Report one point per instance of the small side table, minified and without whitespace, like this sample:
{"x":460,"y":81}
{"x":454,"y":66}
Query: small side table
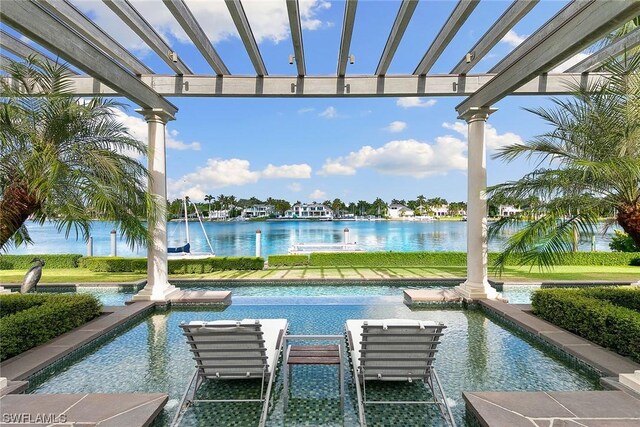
{"x":314,"y":355}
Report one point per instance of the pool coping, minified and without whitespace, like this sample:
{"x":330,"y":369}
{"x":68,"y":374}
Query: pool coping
{"x":605,"y":362}
{"x":22,"y":366}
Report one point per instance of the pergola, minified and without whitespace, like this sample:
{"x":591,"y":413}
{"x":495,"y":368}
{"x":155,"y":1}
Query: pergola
{"x":59,"y":27}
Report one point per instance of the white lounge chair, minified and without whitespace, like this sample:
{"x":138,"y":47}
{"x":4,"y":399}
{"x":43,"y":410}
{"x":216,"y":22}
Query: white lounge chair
{"x":230,"y":350}
{"x":395,"y":350}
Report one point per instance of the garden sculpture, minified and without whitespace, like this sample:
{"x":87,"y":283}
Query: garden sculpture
{"x":32,"y":277}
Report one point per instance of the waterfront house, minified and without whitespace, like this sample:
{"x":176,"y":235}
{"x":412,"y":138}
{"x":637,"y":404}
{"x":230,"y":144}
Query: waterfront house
{"x":258,"y":211}
{"x":397,"y":211}
{"x":219,"y":215}
{"x":438,"y":211}
{"x":309,"y":211}
{"x":508,"y":210}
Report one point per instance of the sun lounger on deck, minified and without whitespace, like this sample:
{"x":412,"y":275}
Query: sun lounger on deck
{"x":234,"y":350}
{"x":395,"y":350}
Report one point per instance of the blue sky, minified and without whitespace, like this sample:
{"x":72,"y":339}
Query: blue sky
{"x":319,"y":149}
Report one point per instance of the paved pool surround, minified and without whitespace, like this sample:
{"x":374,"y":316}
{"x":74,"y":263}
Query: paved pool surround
{"x":484,"y":406}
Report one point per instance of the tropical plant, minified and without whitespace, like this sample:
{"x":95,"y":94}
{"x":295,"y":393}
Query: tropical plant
{"x":588,"y":163}
{"x":621,"y":242}
{"x":66,"y":159}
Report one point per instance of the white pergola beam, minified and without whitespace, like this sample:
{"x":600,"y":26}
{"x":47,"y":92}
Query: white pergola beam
{"x":148,"y":34}
{"x":246,"y":35}
{"x":293,"y":11}
{"x":78,"y":21}
{"x":504,"y":23}
{"x":190,"y":25}
{"x":460,"y":13}
{"x":344,"y":87}
{"x":615,"y":49}
{"x":23,"y":50}
{"x":350,"y":7}
{"x":36,"y":23}
{"x":405,"y":12}
{"x":577,"y":26}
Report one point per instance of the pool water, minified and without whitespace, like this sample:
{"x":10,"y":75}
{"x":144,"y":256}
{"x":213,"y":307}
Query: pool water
{"x":269,"y":294}
{"x":476,"y":354}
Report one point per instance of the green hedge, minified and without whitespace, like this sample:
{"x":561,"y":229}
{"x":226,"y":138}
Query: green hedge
{"x":176,"y":266}
{"x":599,"y":321}
{"x":42,"y":320}
{"x":624,"y":296}
{"x":387,"y":259}
{"x":432,"y":259}
{"x":288,"y":260}
{"x":15,"y":302}
{"x":19,"y":262}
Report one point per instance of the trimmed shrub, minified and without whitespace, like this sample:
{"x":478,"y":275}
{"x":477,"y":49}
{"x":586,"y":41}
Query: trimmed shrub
{"x":15,"y":302}
{"x":19,"y":262}
{"x":114,"y":264}
{"x":288,"y":260}
{"x":43,"y":320}
{"x":599,"y":321}
{"x":176,"y":266}
{"x":623,"y":296}
{"x":387,"y":259}
{"x":431,"y":259}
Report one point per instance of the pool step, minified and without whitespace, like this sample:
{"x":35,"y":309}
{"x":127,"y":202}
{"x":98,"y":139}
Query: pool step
{"x":631,"y":380}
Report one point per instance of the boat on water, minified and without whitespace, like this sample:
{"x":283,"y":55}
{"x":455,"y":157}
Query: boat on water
{"x":184,"y":251}
{"x":308,"y":248}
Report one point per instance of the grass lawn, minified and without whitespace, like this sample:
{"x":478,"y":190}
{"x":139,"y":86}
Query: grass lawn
{"x":524,"y":274}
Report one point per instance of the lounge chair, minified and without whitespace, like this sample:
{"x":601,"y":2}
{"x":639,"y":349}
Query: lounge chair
{"x":395,"y":350}
{"x":234,"y":350}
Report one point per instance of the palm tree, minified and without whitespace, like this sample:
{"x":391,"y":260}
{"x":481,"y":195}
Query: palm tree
{"x":209,"y":198}
{"x":592,"y":157}
{"x":66,"y":160}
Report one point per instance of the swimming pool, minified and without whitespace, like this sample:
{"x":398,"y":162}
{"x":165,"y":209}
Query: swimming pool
{"x":268,"y":292}
{"x":476,"y":354}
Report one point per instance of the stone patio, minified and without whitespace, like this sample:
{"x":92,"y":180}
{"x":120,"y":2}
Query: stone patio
{"x":105,"y":410}
{"x":555,"y":408}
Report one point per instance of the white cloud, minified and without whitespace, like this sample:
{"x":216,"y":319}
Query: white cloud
{"x":416,"y":158}
{"x":268,"y":20}
{"x":295,"y":187}
{"x":415,"y":102}
{"x":492,"y":138}
{"x":396,"y":126}
{"x":220,"y":173}
{"x":570,"y":62}
{"x":306,"y":110}
{"x":318,"y":195}
{"x":336,"y":167}
{"x":139,"y":129}
{"x":217,"y":173}
{"x":300,"y":171}
{"x":403,"y":157}
{"x":329,"y":113}
{"x":513,"y":39}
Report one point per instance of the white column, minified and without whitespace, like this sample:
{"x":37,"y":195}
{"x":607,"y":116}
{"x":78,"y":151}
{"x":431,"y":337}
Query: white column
{"x":346,"y":236}
{"x":114,"y":247}
{"x":157,"y":287}
{"x":258,"y":243}
{"x":477,"y":285}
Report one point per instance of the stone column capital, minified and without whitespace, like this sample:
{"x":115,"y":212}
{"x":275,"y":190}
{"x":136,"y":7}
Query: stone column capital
{"x":474,"y":114}
{"x":157,"y":115}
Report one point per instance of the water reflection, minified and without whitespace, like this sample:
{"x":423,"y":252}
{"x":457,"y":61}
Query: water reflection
{"x":238,"y":238}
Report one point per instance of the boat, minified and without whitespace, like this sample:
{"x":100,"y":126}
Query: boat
{"x":309,"y":248}
{"x":184,"y":251}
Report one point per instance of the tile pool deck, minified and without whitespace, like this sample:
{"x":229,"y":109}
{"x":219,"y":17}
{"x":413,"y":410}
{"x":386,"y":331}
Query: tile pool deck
{"x":611,"y":408}
{"x":105,"y":410}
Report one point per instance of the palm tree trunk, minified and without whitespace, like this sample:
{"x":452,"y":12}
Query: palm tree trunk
{"x":15,"y":207}
{"x":629,"y":219}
